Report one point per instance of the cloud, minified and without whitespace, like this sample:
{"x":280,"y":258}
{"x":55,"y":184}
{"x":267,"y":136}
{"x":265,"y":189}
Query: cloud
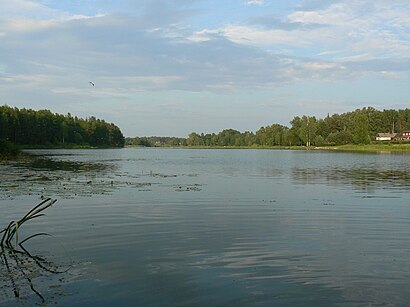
{"x":345,"y":33}
{"x":262,"y":37}
{"x":123,"y":56}
{"x":154,"y":49}
{"x":272,"y":22}
{"x":30,"y":9}
{"x":255,"y":2}
{"x":312,"y":5}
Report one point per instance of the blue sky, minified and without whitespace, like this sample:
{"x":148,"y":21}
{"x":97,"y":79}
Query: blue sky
{"x":172,"y":67}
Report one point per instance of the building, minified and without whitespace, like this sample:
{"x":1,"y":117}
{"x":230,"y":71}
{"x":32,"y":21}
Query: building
{"x":386,"y":136}
{"x":404,"y":136}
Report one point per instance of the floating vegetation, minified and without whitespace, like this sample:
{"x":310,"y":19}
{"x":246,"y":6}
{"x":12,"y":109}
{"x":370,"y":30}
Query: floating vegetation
{"x":45,"y":176}
{"x":18,"y":267}
{"x":187,"y":188}
{"x":53,"y":175}
{"x":152,"y":174}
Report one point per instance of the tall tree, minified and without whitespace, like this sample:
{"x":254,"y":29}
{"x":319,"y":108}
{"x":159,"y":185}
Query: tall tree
{"x":361,"y":128}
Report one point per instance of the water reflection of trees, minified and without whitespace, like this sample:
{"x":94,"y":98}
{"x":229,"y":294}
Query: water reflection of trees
{"x":19,"y":269}
{"x":356,"y":178}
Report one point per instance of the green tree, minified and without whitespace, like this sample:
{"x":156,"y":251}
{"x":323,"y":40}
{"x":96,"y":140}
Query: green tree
{"x":361,"y":128}
{"x":194,"y":139}
{"x":29,"y":127}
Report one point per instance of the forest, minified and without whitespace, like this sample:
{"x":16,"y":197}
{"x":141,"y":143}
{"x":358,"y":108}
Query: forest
{"x":44,"y":128}
{"x":357,"y":127}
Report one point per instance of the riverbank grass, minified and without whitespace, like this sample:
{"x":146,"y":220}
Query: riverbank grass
{"x":374,"y":147}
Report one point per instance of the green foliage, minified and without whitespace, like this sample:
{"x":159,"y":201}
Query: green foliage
{"x":357,"y":127}
{"x":29,"y":127}
{"x":194,"y":139}
{"x":273,"y":135}
{"x":361,"y":128}
{"x":305,"y":128}
{"x":340,"y":138}
{"x":139,"y":141}
{"x":8,"y":149}
{"x":319,"y":140}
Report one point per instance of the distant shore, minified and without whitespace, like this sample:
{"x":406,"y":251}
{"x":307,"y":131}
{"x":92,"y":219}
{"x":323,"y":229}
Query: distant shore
{"x":348,"y":148}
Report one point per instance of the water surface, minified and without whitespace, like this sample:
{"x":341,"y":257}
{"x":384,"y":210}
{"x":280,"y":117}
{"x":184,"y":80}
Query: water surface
{"x":214,"y":227}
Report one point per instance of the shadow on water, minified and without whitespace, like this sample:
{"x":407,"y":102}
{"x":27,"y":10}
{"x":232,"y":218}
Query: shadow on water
{"x":20,"y":270}
{"x":41,"y":163}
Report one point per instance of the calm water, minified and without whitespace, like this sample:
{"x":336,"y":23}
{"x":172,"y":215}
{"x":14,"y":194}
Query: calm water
{"x":210,"y":227}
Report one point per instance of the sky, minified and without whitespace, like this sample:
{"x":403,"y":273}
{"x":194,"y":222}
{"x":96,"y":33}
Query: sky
{"x":171,"y":67}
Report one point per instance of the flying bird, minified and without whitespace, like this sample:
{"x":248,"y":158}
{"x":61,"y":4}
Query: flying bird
{"x":92,"y":83}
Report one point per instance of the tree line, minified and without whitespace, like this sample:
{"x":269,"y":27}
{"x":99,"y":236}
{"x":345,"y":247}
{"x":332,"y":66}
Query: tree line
{"x":357,"y":127}
{"x":30,"y":127}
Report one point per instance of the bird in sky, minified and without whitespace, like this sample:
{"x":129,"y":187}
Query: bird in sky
{"x":92,"y":83}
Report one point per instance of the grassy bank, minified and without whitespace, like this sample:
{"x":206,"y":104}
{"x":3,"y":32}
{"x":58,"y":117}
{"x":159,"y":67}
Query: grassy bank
{"x":376,"y":147}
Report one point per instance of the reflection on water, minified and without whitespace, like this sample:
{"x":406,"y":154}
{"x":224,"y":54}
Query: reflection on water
{"x":21,"y":271}
{"x":356,"y":178}
{"x":223,"y":227}
{"x":24,"y":277}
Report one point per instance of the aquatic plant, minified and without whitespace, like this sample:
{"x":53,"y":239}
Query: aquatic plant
{"x":19,"y":264}
{"x":12,"y":229}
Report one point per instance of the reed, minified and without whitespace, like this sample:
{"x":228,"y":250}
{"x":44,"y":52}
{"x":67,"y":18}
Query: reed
{"x":16,"y":257}
{"x":12,"y":229}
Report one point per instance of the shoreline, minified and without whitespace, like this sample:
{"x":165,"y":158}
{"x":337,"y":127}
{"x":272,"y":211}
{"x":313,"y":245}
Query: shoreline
{"x":369,"y":148}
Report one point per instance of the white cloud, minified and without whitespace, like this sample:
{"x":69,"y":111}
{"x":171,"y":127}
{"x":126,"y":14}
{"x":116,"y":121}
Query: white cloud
{"x":328,"y":53}
{"x":60,"y":52}
{"x":255,"y":2}
{"x":204,"y":35}
{"x":342,"y":31}
{"x":336,"y":14}
{"x":31,"y":9}
{"x":135,"y":83}
{"x":27,"y":79}
{"x":25,"y":25}
{"x":317,"y":66}
{"x":256,"y":36}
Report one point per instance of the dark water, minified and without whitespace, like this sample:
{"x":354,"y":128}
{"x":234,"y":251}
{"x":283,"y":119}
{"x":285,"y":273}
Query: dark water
{"x":212,"y":227}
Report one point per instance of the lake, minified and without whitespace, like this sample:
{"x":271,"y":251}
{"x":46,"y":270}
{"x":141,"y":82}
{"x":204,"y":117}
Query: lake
{"x":208,"y":227}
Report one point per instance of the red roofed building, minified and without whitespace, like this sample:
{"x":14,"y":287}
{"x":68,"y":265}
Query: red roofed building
{"x":404,"y":136}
